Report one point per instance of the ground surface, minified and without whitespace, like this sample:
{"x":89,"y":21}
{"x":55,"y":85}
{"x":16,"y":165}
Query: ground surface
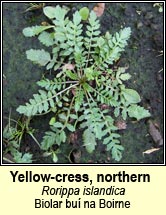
{"x":141,"y":56}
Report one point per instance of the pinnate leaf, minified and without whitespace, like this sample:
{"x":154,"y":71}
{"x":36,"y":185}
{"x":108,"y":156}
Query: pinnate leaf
{"x":116,"y":152}
{"x":138,"y":112}
{"x":89,"y":140}
{"x":49,"y":139}
{"x":40,"y":57}
{"x":131,"y":95}
{"x":125,"y":77}
{"x":35,"y":30}
{"x":76,"y":18}
{"x":55,"y":12}
{"x":23,"y":158}
{"x":50,"y":12}
{"x":46,"y":38}
{"x":71,"y":75}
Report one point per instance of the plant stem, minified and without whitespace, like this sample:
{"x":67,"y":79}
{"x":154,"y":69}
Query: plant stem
{"x":72,"y":86}
{"x":6,"y":159}
{"x":69,"y":82}
{"x":68,"y":114}
{"x":30,"y":133}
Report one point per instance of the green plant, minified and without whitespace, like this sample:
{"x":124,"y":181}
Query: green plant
{"x":81,"y":62}
{"x":12,"y":137}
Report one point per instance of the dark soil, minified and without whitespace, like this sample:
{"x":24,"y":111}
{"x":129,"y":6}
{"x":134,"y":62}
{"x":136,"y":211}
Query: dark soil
{"x":141,"y":55}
